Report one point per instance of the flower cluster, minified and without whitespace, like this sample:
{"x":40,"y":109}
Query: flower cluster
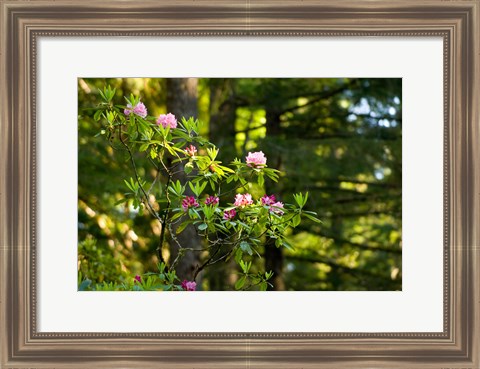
{"x":167,"y":120}
{"x":243,"y":200}
{"x":275,"y":206}
{"x":229,"y":214}
{"x":137,"y":279}
{"x":189,"y":202}
{"x":212,"y":200}
{"x":256,"y":159}
{"x":189,"y":285}
{"x":191,"y":150}
{"x":268,"y":200}
{"x":138,"y":109}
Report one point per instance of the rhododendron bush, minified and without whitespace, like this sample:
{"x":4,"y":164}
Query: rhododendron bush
{"x":212,"y":197}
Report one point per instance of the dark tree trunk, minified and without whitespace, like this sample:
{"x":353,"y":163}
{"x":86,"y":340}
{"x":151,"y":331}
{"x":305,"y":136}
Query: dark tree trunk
{"x":274,"y":262}
{"x":273,"y":255}
{"x":182,"y":102}
{"x":223,"y":115}
{"x":222,"y":133}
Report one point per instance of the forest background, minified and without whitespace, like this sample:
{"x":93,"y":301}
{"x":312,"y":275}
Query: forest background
{"x":340,"y":139}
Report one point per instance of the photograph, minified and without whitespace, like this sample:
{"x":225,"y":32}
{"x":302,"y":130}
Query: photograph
{"x":239,"y":184}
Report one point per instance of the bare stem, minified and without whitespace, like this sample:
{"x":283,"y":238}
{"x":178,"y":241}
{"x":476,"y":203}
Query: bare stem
{"x":146,"y":197}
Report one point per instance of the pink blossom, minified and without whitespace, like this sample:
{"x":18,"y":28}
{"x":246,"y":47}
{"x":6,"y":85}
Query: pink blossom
{"x":191,"y":150}
{"x":256,"y":159}
{"x":243,"y":200}
{"x":189,"y":285}
{"x":189,"y":202}
{"x":275,"y":208}
{"x":138,"y":109}
{"x":137,"y":279}
{"x":167,"y":120}
{"x":229,"y":214}
{"x":268,"y":200}
{"x":212,"y":200}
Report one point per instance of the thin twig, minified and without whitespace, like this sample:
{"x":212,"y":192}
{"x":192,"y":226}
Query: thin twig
{"x":149,"y":206}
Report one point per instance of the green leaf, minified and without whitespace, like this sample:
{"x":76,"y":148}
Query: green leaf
{"x":193,"y":188}
{"x":240,"y":283}
{"x":226,"y":169}
{"x":144,"y":147}
{"x":176,"y":216}
{"x":246,"y":247}
{"x":202,"y":187}
{"x":130,"y":186}
{"x":296,"y":220}
{"x":238,"y":256}
{"x":188,"y":168}
{"x":305,"y":199}
{"x":202,"y":226}
{"x":298,"y":199}
{"x":182,"y":227}
{"x":243,"y":266}
{"x":84,"y":285}
{"x":261,"y":180}
{"x":287,"y":245}
{"x":212,"y":152}
{"x":121,"y":201}
{"x":97,"y":115}
{"x":312,"y":218}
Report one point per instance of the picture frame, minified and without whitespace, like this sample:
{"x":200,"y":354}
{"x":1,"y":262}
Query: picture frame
{"x":24,"y":22}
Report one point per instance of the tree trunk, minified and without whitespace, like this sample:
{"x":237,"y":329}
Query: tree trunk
{"x":273,"y":255}
{"x":223,"y":116}
{"x":182,"y":102}
{"x":222,"y":133}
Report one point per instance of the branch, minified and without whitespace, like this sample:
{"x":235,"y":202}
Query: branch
{"x":323,"y":96}
{"x":198,"y":269}
{"x":330,"y":136}
{"x":366,"y":246}
{"x":165,"y":216}
{"x":149,"y":206}
{"x":333,"y":264}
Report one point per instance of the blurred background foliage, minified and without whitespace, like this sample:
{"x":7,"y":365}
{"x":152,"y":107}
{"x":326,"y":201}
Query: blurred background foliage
{"x":340,"y":139}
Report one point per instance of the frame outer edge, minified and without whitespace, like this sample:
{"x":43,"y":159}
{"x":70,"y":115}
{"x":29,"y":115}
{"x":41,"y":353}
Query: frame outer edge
{"x":5,"y":167}
{"x":3,"y":207}
{"x":13,"y":259}
{"x":475,"y":225}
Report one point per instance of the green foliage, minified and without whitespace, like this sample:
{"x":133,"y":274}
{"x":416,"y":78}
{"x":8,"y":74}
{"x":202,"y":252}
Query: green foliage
{"x":226,"y":229}
{"x":97,"y":263}
{"x":162,"y":280}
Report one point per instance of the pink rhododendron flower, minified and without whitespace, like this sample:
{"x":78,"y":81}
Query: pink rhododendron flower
{"x":189,"y":202}
{"x":256,"y":159}
{"x":191,"y":150}
{"x":229,"y":214}
{"x":138,"y":109}
{"x":137,"y":279}
{"x":268,"y":200}
{"x":243,"y":200}
{"x":189,"y":285}
{"x":167,"y":120}
{"x":212,"y":200}
{"x":275,"y":208}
